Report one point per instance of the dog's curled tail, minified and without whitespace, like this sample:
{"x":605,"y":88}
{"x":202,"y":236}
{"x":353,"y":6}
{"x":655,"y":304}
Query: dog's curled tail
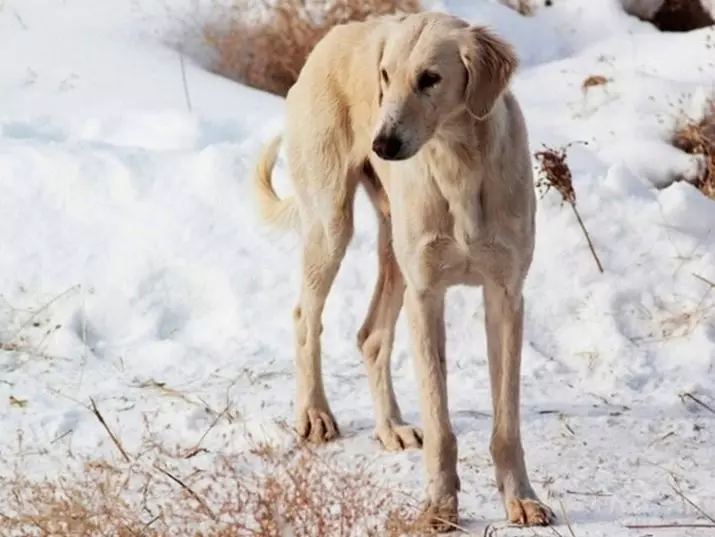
{"x":273,"y":211}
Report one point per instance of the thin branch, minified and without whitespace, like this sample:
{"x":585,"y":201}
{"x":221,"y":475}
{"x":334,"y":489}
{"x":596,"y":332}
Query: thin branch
{"x":183,"y":78}
{"x":566,"y":518}
{"x":692,"y":503}
{"x":452,"y":525}
{"x":114,"y":438}
{"x":193,"y":494}
{"x":588,"y":238}
{"x":704,"y":280}
{"x":589,"y":493}
{"x":555,"y":531}
{"x":666,"y":526}
{"x":697,"y":401}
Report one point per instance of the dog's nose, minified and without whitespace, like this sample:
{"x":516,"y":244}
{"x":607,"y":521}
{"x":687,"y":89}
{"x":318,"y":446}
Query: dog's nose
{"x":387,"y":147}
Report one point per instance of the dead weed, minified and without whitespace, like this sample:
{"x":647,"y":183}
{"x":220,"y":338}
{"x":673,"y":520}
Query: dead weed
{"x":554,"y":172}
{"x":264,"y":491}
{"x":698,"y":138}
{"x":268,"y":52}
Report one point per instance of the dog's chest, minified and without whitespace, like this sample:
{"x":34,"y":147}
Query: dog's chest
{"x":456,"y":190}
{"x":437,"y":223}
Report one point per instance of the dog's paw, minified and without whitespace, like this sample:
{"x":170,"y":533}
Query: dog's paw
{"x":317,"y":425}
{"x":529,"y":513}
{"x":398,"y":437}
{"x":440,"y":516}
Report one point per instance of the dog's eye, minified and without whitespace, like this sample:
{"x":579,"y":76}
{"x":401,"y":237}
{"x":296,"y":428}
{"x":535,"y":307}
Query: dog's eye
{"x":385,"y":76}
{"x":427,"y":80}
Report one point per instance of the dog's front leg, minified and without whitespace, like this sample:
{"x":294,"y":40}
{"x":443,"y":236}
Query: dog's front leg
{"x":504,"y":313}
{"x":425,"y":313}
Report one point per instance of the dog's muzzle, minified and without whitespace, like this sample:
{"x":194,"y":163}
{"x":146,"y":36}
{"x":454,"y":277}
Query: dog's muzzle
{"x":387,"y":147}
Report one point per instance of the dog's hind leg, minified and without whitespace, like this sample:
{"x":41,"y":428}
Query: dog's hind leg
{"x":375,"y":338}
{"x":326,"y":234}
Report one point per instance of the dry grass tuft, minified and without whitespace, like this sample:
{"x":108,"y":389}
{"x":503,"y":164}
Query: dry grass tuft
{"x":524,"y":7}
{"x":698,"y":138}
{"x":268,"y":52}
{"x":555,"y":173}
{"x":266,"y":491}
{"x":593,"y":81}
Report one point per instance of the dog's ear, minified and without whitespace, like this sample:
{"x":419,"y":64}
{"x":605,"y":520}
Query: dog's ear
{"x":490,"y":63}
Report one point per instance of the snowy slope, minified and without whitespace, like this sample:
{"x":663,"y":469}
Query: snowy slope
{"x":130,"y":256}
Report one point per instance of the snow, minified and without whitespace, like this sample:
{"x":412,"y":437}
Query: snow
{"x":130,"y":256}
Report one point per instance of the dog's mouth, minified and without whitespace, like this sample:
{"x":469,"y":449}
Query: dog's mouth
{"x":394,"y":158}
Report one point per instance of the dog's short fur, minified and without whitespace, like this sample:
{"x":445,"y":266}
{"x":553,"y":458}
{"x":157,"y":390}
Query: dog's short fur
{"x":417,"y":110}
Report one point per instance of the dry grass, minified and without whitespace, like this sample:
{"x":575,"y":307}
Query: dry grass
{"x":593,"y":81}
{"x":524,"y":7}
{"x":555,"y":173}
{"x":265,"y":491}
{"x":698,"y":138}
{"x":268,"y":52}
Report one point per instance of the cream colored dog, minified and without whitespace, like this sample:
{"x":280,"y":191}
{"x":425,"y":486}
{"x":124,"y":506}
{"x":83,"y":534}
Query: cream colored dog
{"x":417,"y":110}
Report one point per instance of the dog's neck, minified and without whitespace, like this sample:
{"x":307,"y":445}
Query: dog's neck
{"x":458,"y":169}
{"x":461,"y":133}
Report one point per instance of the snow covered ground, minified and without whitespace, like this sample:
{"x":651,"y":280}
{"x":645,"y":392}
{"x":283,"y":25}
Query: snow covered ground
{"x":130,"y":260}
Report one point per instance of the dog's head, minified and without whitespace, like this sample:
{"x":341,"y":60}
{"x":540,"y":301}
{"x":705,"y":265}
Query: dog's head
{"x":432,"y":68}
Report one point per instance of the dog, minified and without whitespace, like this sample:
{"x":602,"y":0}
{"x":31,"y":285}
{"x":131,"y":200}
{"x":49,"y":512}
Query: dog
{"x":417,"y":110}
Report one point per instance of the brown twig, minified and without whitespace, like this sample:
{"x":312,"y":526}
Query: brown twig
{"x":588,"y":493}
{"x":555,"y":173}
{"x":114,"y":438}
{"x":191,"y":491}
{"x":566,"y":518}
{"x":665,"y":526}
{"x":213,"y":424}
{"x":697,"y":401}
{"x":705,"y":280}
{"x":588,"y":238}
{"x":692,"y":503}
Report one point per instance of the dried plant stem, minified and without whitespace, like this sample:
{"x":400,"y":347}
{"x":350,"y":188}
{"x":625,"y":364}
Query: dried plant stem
{"x":183,"y":78}
{"x":705,"y":280}
{"x":114,"y":438}
{"x":698,"y":401}
{"x":666,"y":526}
{"x":193,"y":494}
{"x":566,"y":518}
{"x":588,"y":237}
{"x":555,"y":173}
{"x":692,"y":504}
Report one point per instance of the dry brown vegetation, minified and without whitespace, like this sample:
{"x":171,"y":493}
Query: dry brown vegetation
{"x":268,"y":51}
{"x":525,"y":7}
{"x":554,"y":172}
{"x":698,"y":138}
{"x":265,"y":491}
